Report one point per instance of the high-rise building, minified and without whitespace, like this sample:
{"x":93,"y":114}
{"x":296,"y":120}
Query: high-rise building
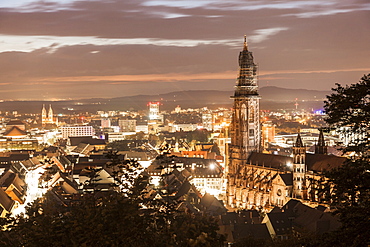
{"x":154,"y":111}
{"x":245,"y":126}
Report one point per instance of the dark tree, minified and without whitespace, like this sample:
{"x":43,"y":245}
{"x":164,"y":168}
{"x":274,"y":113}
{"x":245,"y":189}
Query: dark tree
{"x":348,"y":110}
{"x":199,"y":135}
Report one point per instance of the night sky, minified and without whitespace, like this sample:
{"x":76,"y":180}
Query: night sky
{"x":51,"y":50}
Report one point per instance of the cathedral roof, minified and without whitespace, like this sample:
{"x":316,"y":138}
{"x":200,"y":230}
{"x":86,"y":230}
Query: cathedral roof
{"x":269,"y":160}
{"x":322,"y":162}
{"x":314,"y":162}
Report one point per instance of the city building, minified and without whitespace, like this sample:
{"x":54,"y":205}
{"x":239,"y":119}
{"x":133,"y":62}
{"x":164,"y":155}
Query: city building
{"x":154,"y":110}
{"x":69,"y":131}
{"x":127,"y":125}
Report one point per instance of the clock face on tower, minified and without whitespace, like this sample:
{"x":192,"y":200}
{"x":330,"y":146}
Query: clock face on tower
{"x":279,"y":192}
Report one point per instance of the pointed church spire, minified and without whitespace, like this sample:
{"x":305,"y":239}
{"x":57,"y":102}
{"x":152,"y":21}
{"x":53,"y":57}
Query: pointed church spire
{"x":50,"y":114}
{"x":320,"y":147}
{"x":321,"y":141}
{"x":43,"y":115}
{"x":299,"y":142}
{"x":245,"y":43}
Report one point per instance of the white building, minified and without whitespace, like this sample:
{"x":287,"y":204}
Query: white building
{"x":77,"y":131}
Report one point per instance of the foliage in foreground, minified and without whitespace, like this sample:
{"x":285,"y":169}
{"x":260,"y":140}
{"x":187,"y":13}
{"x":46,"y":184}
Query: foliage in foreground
{"x":109,"y":218}
{"x":348,"y":110}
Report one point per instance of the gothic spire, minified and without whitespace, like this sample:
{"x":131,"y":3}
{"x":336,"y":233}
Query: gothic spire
{"x":299,"y":142}
{"x":320,"y":147}
{"x":246,"y":83}
{"x":245,"y":43}
{"x":321,"y":141}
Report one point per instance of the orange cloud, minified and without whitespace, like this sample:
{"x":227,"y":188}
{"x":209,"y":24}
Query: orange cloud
{"x":173,"y":77}
{"x":122,"y":79}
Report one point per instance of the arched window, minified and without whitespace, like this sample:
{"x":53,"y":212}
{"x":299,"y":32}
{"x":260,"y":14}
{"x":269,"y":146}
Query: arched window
{"x":251,"y":113}
{"x":244,"y":112}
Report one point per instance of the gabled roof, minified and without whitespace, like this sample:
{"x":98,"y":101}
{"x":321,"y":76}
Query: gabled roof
{"x":257,"y":231}
{"x":32,"y":162}
{"x":83,"y":148}
{"x":302,"y":218}
{"x":187,"y":188}
{"x":13,"y":179}
{"x":287,"y":178}
{"x":5,"y":201}
{"x":281,"y":222}
{"x":142,"y":156}
{"x":15,"y":122}
{"x":211,"y":203}
{"x":15,"y":132}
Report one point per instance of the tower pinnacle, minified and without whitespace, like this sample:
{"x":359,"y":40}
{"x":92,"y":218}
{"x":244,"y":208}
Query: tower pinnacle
{"x":245,"y":43}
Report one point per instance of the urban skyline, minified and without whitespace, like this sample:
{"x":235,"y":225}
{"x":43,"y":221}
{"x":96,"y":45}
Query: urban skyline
{"x":238,"y":175}
{"x":81,"y":49}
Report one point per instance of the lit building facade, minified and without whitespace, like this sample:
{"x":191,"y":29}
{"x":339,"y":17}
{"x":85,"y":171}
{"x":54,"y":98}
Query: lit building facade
{"x":154,"y":111}
{"x":77,"y":131}
{"x":47,"y":117}
{"x":127,"y":125}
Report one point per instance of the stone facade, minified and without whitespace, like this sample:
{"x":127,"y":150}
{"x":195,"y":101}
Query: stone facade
{"x":245,"y":126}
{"x":257,"y":180}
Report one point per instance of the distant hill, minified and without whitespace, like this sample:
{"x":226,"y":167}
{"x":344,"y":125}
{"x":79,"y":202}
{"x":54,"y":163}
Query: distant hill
{"x":271,"y":98}
{"x":283,"y":94}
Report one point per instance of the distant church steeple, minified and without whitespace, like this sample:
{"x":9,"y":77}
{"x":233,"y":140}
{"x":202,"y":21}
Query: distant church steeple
{"x":43,"y":113}
{"x":50,"y":115}
{"x":47,"y":117}
{"x":320,"y":147}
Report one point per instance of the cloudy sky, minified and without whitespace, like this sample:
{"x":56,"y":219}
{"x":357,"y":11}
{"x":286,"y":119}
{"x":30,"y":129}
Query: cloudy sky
{"x":67,"y":49}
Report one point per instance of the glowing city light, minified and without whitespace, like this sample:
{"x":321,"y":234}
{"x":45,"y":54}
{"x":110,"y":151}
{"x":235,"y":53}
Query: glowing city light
{"x":33,"y":190}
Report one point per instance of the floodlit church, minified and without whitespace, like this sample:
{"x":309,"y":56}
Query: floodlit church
{"x":47,"y":117}
{"x":258,"y":180}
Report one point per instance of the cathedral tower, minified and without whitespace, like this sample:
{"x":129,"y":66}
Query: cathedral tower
{"x":245,"y":126}
{"x":43,"y":115}
{"x":50,"y":115}
{"x":47,"y":117}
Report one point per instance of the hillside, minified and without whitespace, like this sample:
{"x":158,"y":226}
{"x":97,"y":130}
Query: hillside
{"x":271,"y":98}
